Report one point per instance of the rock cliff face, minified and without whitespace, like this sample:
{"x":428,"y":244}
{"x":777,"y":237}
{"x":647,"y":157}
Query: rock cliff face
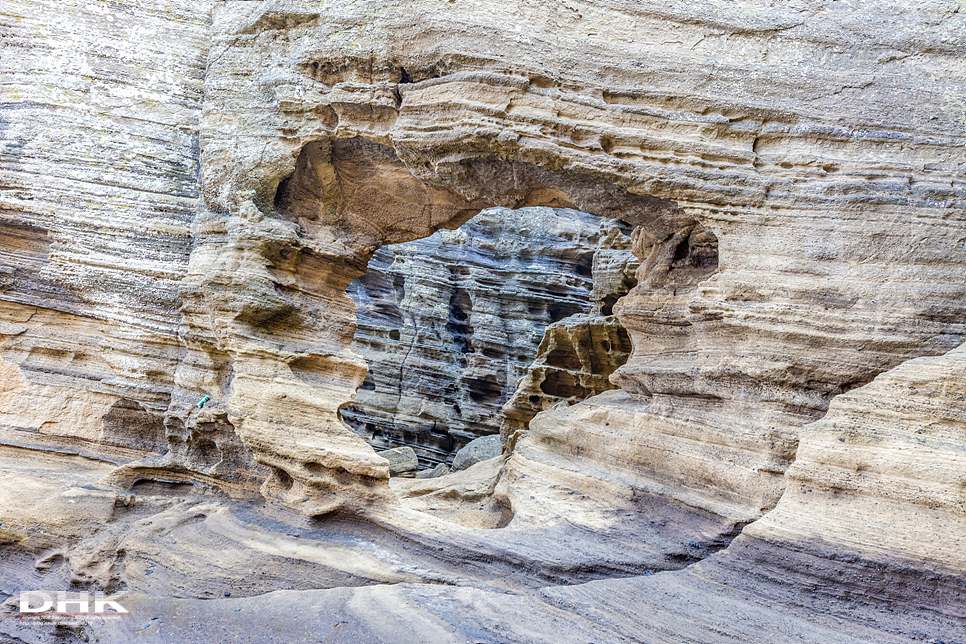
{"x":99,"y":163}
{"x":451,"y":323}
{"x":885,"y":467}
{"x":187,"y":189}
{"x":578,"y":354}
{"x":373,"y":124}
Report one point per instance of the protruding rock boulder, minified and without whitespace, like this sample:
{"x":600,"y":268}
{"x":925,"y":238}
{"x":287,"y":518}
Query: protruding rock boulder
{"x":476,"y":451}
{"x":402,"y":460}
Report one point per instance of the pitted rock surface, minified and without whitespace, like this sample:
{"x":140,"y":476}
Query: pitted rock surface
{"x":451,"y":323}
{"x":187,"y":189}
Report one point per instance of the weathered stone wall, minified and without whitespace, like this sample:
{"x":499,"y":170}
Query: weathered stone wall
{"x":450,"y":323}
{"x":794,"y":174}
{"x":799,"y":218}
{"x":748,"y":297}
{"x":786,"y":255}
{"x":100,"y":112}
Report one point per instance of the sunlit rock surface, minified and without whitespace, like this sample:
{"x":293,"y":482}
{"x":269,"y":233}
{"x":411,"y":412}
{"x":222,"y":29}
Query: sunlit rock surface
{"x":187,"y":189}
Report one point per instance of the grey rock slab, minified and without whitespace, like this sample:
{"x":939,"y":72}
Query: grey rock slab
{"x":477,"y":451}
{"x":401,"y":459}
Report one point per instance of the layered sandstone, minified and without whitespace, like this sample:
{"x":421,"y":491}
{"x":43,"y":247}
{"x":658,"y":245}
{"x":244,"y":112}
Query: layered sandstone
{"x":577,"y":355}
{"x":889,"y":454}
{"x":99,"y":159}
{"x":188,"y":189}
{"x":449,"y":324}
{"x":725,"y":302}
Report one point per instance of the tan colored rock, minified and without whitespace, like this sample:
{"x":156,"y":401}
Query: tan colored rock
{"x":98,"y":165}
{"x":885,"y":471}
{"x":727,"y":339}
{"x":285,"y":103}
{"x":61,"y":411}
{"x":794,"y":175}
{"x":464,"y":498}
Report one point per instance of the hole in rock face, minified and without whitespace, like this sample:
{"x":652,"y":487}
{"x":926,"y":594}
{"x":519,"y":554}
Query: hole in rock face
{"x":128,"y":424}
{"x":283,"y":479}
{"x":471,"y":305}
{"x":450,"y":324}
{"x":563,"y":385}
{"x":203,"y":452}
{"x":484,"y":389}
{"x":608,"y":306}
{"x":626,"y":345}
{"x":564,"y":359}
{"x":561,"y":310}
{"x":315,"y":468}
{"x":458,"y":324}
{"x":154,"y":487}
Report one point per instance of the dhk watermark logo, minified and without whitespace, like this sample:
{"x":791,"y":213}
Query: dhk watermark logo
{"x":40,"y":605}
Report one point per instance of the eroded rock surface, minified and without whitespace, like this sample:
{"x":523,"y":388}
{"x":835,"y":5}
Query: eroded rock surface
{"x":724,"y":300}
{"x":187,"y":189}
{"x":449,"y":324}
{"x":578,"y":354}
{"x":99,"y":162}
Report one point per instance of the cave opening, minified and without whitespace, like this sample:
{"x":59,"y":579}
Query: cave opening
{"x":452,"y":325}
{"x":351,"y":200}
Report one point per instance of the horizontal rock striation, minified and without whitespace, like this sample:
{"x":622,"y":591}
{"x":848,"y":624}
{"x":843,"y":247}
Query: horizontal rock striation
{"x":187,"y":189}
{"x":885,"y":470}
{"x":99,"y":163}
{"x":734,"y":197}
{"x":578,"y":354}
{"x":450,"y":323}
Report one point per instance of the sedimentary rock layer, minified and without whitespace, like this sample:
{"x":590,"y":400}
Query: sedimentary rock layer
{"x":449,"y":324}
{"x":744,"y":295}
{"x":794,"y":174}
{"x":577,"y":355}
{"x":99,"y":161}
{"x":885,"y":469}
{"x":734,"y":189}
